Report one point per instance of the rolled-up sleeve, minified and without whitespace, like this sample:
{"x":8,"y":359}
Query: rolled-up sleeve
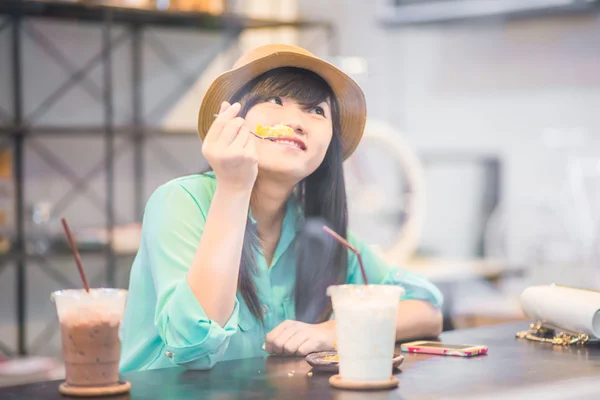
{"x":173,"y":225}
{"x":378,"y":271}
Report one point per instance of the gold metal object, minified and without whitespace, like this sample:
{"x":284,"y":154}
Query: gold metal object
{"x":539,"y":333}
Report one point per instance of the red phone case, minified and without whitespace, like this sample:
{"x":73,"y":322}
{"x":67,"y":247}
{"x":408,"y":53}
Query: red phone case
{"x":445,"y":352}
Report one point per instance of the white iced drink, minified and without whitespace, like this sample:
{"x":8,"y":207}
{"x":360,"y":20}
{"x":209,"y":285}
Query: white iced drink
{"x":366,"y":328}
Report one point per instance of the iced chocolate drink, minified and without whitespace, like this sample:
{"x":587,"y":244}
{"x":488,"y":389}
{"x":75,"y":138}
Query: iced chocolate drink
{"x":91,"y":352}
{"x":89,"y":325}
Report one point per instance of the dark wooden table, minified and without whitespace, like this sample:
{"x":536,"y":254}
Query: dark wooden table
{"x":510,"y":365}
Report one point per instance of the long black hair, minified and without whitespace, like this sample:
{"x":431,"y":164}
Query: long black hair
{"x":322,"y":195}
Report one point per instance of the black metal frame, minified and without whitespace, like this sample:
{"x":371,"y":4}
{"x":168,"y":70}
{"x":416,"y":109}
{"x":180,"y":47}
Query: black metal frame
{"x":22,"y":132}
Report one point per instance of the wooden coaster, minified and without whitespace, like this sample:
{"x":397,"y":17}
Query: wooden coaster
{"x":120,"y":388}
{"x":337,"y":382}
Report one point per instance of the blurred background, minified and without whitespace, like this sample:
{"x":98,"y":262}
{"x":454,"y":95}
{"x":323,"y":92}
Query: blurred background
{"x":479,"y":167}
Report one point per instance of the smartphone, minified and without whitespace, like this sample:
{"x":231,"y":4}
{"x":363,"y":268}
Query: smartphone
{"x":444,"y":349}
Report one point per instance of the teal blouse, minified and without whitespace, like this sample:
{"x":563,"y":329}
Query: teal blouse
{"x":164,"y":325}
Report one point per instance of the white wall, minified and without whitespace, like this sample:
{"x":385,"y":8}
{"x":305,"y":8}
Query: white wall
{"x":493,"y":88}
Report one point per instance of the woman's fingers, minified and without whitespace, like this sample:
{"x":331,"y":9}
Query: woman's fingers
{"x":230,"y":132}
{"x":225,"y":116}
{"x":293,"y":344}
{"x":275,"y":339}
{"x":278,"y":345}
{"x":224,"y":106}
{"x":239,"y":142}
{"x":309,"y":346}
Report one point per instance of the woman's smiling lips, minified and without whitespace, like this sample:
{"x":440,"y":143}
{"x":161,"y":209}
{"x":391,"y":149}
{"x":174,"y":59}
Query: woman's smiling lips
{"x":293,"y":142}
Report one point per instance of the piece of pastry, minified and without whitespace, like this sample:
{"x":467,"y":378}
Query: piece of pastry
{"x":279,"y":130}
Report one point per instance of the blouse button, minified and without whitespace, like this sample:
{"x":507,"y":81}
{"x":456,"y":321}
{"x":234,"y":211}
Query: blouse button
{"x":265,"y":308}
{"x":169,"y":354}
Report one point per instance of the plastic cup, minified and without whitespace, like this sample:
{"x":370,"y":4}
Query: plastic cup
{"x":366,"y":330}
{"x":89,"y":325}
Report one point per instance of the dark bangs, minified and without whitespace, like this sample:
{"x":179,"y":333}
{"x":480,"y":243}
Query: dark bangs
{"x":302,"y":85}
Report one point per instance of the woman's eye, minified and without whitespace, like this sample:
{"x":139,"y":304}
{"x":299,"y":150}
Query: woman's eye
{"x":317,"y":110}
{"x":275,"y":100}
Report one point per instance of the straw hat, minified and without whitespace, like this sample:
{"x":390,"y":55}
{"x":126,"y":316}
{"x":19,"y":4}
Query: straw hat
{"x":350,"y":97}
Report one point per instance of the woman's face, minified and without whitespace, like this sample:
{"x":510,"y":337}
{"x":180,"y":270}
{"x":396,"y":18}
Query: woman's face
{"x":301,"y":156}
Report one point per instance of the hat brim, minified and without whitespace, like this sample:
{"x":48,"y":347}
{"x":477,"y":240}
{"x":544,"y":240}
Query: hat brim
{"x":349,"y":95}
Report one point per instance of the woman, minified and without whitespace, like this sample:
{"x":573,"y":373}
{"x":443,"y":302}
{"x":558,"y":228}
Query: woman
{"x":215,"y":277}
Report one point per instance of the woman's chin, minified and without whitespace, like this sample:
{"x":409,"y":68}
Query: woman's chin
{"x":284,"y":170}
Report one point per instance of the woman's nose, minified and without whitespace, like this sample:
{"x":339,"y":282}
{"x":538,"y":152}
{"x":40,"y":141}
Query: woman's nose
{"x":293,"y":119}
